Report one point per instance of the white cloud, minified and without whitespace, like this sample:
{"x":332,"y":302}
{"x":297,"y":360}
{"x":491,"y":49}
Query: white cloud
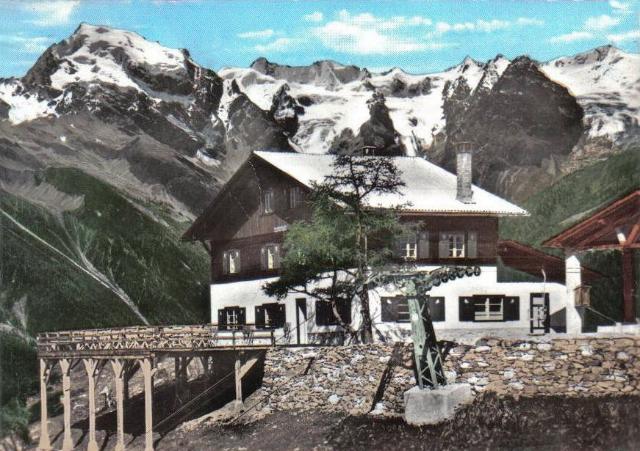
{"x":623,"y":37}
{"x":572,"y":37}
{"x":30,"y":45}
{"x":315,"y":16}
{"x":367,"y":34}
{"x":602,"y":22}
{"x":620,"y":7}
{"x":260,"y":34}
{"x":383,"y":23}
{"x":529,"y":21}
{"x":51,"y":13}
{"x":486,"y":26}
{"x":279,"y":45}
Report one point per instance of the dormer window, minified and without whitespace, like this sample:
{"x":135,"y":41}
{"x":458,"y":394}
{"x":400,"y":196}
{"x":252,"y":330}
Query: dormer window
{"x":270,"y":256}
{"x":295,"y":197}
{"x":267,"y":202}
{"x":231,"y":261}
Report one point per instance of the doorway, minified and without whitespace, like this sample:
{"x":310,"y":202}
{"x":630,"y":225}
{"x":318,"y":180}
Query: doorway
{"x":540,"y":319}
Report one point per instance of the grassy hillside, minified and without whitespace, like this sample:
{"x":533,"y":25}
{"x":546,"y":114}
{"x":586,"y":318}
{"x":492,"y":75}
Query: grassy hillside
{"x":111,"y":262}
{"x":573,"y":198}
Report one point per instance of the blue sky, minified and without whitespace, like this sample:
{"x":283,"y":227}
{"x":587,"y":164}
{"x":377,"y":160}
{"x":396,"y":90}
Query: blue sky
{"x":417,"y":35}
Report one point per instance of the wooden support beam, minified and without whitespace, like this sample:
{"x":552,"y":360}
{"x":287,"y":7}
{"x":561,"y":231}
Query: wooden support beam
{"x":65,"y":367}
{"x":91,"y":367}
{"x":634,"y":234}
{"x":118,"y":367}
{"x":45,"y":442}
{"x":238,"y":377}
{"x":628,"y":286}
{"x":148,"y":371}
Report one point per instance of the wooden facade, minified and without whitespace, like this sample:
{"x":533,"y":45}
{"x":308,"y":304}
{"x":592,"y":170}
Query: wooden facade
{"x":237,"y":221}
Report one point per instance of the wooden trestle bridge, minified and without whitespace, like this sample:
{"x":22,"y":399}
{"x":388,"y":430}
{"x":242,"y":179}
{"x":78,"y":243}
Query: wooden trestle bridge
{"x":128,"y":349}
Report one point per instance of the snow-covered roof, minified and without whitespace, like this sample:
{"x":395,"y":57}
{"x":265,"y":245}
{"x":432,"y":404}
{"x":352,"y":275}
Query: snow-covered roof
{"x":428,"y":188}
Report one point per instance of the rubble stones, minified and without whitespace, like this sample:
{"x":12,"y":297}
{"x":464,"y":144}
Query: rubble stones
{"x":346,"y":379}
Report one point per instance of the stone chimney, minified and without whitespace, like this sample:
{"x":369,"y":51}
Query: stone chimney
{"x":464,"y":156}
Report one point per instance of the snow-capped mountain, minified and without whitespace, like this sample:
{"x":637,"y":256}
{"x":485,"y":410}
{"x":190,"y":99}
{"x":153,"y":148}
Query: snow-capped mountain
{"x":180,"y":129}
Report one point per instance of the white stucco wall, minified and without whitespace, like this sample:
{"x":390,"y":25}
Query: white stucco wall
{"x":248,"y":294}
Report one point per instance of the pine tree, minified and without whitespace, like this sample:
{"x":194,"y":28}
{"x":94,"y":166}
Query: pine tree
{"x":333,"y":257}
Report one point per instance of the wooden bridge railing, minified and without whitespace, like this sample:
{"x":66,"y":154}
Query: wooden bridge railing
{"x":154,"y":338}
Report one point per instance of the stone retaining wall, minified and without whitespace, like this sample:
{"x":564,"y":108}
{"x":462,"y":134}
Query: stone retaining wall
{"x":347,"y":378}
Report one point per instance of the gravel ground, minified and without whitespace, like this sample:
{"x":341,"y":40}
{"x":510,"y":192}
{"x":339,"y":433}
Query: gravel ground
{"x":549,"y":423}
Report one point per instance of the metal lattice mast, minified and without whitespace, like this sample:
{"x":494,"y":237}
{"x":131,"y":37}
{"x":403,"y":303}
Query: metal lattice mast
{"x":429,"y":353}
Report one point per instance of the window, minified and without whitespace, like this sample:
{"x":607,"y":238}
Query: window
{"x":231,"y":261}
{"x":396,"y":309}
{"x":483,"y":308}
{"x":267,"y":202}
{"x":270,"y":316}
{"x":231,"y":317}
{"x":488,"y":309}
{"x":270,"y":257}
{"x":412,"y":245}
{"x":451,"y":245}
{"x":458,"y":245}
{"x":295,"y":197}
{"x":325,"y":315}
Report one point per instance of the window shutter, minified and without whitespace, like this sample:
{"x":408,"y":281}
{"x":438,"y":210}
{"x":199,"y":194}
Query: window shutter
{"x":281,"y":315}
{"x":242,"y":316}
{"x":344,"y":308}
{"x":222,"y":319}
{"x":225,"y":262}
{"x":238,"y":263}
{"x":443,"y":246}
{"x":399,"y":247}
{"x":472,"y":244}
{"x":263,"y":258}
{"x":511,"y":308}
{"x":436,"y":308}
{"x":466,"y":308}
{"x":423,"y":245}
{"x":276,"y":257}
{"x":387,"y":310}
{"x":321,"y":313}
{"x":260,"y":319}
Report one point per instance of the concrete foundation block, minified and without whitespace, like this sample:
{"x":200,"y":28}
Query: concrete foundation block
{"x":428,"y":407}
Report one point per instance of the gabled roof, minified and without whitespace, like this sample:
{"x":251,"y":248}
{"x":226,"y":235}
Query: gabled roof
{"x":428,"y":188}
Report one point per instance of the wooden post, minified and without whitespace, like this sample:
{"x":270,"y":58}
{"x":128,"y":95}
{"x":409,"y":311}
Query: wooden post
{"x":65,"y":366}
{"x":45,"y":442}
{"x":90,"y":366}
{"x":238,"y":377}
{"x":147,"y":372}
{"x":118,"y":372}
{"x":628,"y":288}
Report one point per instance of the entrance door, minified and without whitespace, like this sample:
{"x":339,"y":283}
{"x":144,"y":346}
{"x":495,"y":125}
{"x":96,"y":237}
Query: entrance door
{"x":540,"y":319}
{"x":301,"y":321}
